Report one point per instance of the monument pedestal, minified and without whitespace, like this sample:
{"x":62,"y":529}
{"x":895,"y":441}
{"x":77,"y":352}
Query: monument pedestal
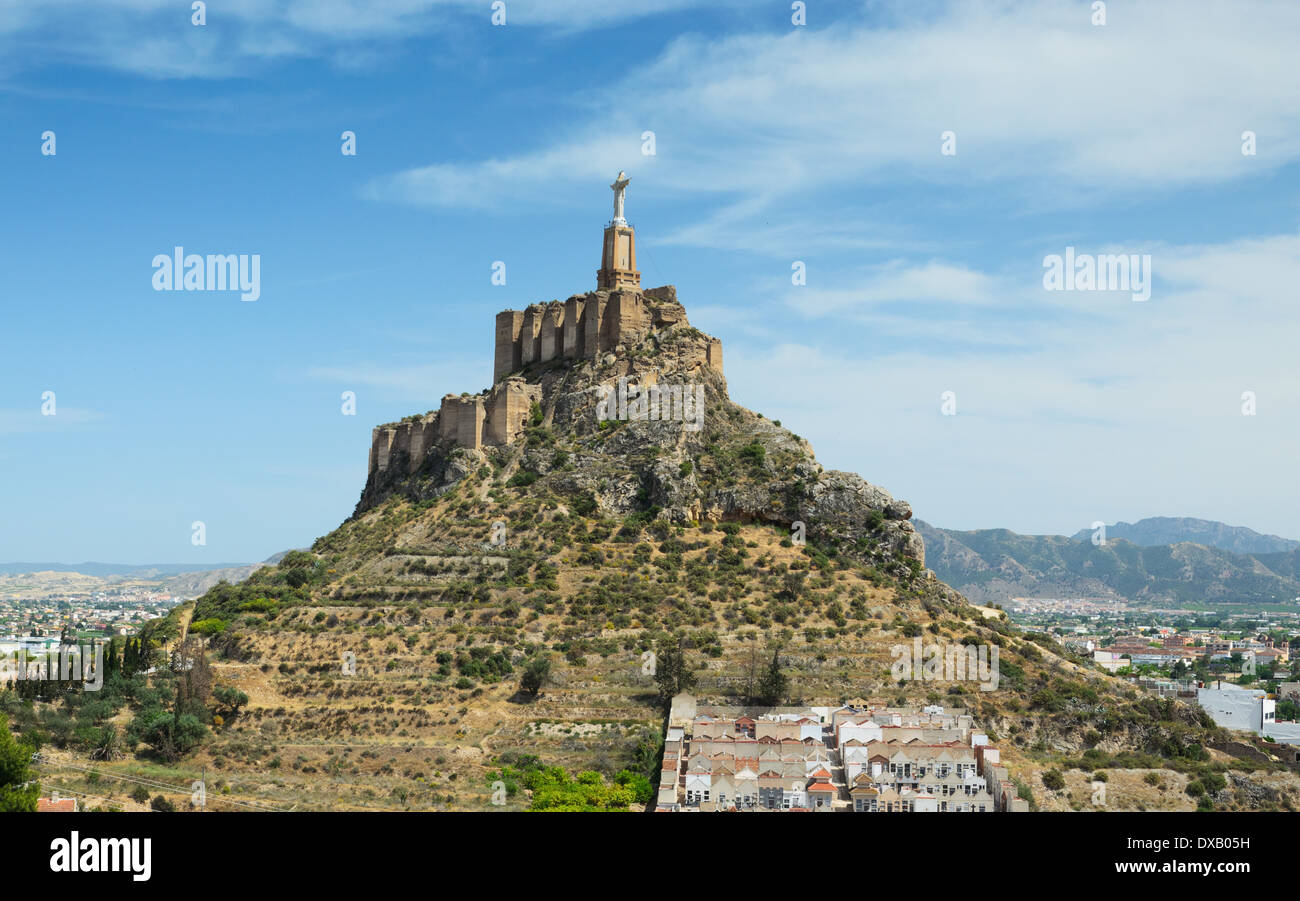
{"x":618,"y":259}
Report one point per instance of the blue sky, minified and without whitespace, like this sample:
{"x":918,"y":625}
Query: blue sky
{"x":774,"y":143}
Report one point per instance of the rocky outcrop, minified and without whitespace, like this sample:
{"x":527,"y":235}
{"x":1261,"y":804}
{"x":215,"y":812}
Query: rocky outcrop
{"x":641,"y":422}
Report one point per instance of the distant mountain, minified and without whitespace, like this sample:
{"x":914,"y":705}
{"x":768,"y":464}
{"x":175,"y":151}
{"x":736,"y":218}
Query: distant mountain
{"x":134,"y":570}
{"x":1158,"y":530}
{"x":185,"y":580}
{"x":990,"y":565}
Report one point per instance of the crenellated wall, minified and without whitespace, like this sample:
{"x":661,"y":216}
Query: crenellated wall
{"x":584,"y":326}
{"x":473,"y":421}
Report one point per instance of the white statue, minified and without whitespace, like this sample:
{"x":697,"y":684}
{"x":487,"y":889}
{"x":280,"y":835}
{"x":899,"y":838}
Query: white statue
{"x":619,"y":186}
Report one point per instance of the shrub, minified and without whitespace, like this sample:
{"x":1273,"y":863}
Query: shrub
{"x":754,"y":453}
{"x":212,"y":626}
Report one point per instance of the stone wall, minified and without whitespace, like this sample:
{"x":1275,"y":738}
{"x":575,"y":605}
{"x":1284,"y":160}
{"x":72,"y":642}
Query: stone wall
{"x":582,"y":327}
{"x":400,"y":442}
{"x":585,"y":326}
{"x":551,"y":342}
{"x":508,"y":409}
{"x":574,"y":343}
{"x":472,"y":421}
{"x":509,"y":325}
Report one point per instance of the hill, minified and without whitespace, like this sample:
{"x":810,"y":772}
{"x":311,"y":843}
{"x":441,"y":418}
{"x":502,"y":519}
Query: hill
{"x":107,"y":570}
{"x":36,"y":581}
{"x":991,"y":565}
{"x":532,"y":570}
{"x":596,"y":546}
{"x":1162,"y":530}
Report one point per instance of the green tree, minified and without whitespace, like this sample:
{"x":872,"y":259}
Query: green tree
{"x":642,"y":791}
{"x":230,"y":698}
{"x":774,"y":684}
{"x":169,"y":735}
{"x":16,"y":794}
{"x":537,"y":672}
{"x":672,"y":673}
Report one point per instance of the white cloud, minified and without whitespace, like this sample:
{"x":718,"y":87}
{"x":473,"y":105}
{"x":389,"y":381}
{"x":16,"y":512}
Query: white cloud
{"x":1039,"y":99}
{"x":1118,"y":410}
{"x":155,"y":38}
{"x":898,"y":282}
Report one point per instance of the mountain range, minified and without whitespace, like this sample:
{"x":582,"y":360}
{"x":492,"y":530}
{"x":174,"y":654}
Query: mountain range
{"x":184,"y":580}
{"x":1159,"y":560}
{"x":1157,"y":530}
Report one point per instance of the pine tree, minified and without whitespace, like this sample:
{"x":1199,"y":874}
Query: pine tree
{"x":774,"y":684}
{"x":18,"y":788}
{"x":672,"y":673}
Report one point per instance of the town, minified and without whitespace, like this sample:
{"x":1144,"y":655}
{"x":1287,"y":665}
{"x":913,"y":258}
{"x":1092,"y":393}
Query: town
{"x":101,"y":614}
{"x":1238,"y":667}
{"x":862,"y":757}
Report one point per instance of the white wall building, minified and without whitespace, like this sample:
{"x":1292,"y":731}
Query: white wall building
{"x":1235,"y":707}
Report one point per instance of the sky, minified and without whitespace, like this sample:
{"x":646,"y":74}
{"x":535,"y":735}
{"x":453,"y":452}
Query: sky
{"x":917,"y":161}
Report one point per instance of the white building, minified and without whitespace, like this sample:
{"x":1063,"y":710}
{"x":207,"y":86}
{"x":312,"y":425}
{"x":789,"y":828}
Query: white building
{"x":1236,"y":707}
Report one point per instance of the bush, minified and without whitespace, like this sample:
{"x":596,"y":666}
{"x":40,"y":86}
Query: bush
{"x":1213,"y":782}
{"x":642,"y":791}
{"x":754,"y":453}
{"x":210,"y":626}
{"x":1053,"y":780}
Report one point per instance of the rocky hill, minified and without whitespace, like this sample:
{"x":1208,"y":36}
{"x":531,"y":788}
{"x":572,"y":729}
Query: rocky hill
{"x":991,"y":565}
{"x":553,"y":522}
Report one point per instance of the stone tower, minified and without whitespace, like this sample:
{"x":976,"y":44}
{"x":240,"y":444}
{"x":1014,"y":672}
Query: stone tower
{"x":618,"y":254}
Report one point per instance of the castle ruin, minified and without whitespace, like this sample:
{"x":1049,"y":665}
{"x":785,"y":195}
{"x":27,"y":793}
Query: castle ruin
{"x":584,"y":327}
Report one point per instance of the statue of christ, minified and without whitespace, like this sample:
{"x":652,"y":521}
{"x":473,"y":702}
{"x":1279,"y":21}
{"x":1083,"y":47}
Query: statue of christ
{"x":619,"y":186}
